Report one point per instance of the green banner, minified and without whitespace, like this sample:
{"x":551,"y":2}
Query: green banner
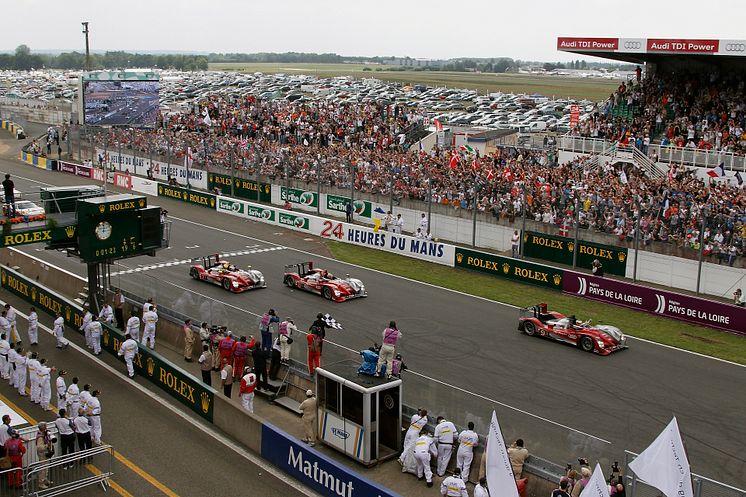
{"x":298,"y":196}
{"x":362,"y":208}
{"x":260,"y":212}
{"x":506,"y":267}
{"x":559,"y":249}
{"x":190,"y":196}
{"x":63,"y":235}
{"x":178,"y":383}
{"x":299,"y":222}
{"x":244,"y":188}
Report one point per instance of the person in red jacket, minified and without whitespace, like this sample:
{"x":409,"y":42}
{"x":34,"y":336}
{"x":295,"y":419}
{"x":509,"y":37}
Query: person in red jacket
{"x":314,"y":350}
{"x":240,"y":352}
{"x":14,"y":450}
{"x":225,"y":347}
{"x":248,"y":384}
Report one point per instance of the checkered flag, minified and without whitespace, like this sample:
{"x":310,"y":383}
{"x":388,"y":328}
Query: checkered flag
{"x":331,"y":322}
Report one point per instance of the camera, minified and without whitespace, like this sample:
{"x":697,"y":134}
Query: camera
{"x":583,"y":462}
{"x":54,"y":440}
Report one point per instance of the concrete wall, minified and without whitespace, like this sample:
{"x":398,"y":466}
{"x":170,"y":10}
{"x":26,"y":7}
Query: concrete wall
{"x":66,"y":283}
{"x":37,"y":114}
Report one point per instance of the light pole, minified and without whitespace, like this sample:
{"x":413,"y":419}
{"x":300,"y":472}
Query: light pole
{"x":318,"y":185}
{"x":233,"y":170}
{"x":429,"y":198}
{"x":352,"y":186}
{"x":637,"y":237}
{"x":87,"y":48}
{"x":577,"y":225}
{"x":391,"y":189}
{"x":705,"y":214}
{"x":476,"y":187}
{"x":523,"y":225}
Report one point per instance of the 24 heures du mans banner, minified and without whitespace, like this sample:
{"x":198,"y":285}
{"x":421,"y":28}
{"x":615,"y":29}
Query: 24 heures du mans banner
{"x":181,"y":385}
{"x":243,"y":188}
{"x":559,"y":249}
{"x":513,"y":269}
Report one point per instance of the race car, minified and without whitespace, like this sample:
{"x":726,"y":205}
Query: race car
{"x":602,"y":339}
{"x":304,"y":276}
{"x":217,"y":271}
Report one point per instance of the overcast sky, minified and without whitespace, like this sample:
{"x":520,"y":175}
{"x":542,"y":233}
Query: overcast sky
{"x":525,"y":29}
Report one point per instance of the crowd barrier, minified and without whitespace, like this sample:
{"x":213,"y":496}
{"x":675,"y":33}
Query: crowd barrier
{"x":663,"y":303}
{"x":39,"y":161}
{"x":15,"y":130}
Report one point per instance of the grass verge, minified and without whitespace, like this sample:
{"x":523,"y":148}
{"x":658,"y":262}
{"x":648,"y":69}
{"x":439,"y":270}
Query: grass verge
{"x":685,"y":336}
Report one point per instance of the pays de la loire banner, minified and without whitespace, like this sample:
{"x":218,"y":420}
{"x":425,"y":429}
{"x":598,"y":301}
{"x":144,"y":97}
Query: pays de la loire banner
{"x":656,"y":301}
{"x":560,"y":249}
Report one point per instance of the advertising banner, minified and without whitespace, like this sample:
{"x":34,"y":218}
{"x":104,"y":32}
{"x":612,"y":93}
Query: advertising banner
{"x":190,"y":196}
{"x":243,"y":188}
{"x":142,"y":185}
{"x":158,"y":170}
{"x":298,"y":196}
{"x":45,"y":234}
{"x":514,"y":269}
{"x":361,"y":208}
{"x":655,"y":301}
{"x":314,"y":469}
{"x":123,"y":180}
{"x":181,"y":385}
{"x":559,"y":249}
{"x":409,"y":246}
{"x":66,"y":167}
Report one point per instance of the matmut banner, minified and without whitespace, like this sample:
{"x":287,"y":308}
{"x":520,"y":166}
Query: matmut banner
{"x":655,"y":301}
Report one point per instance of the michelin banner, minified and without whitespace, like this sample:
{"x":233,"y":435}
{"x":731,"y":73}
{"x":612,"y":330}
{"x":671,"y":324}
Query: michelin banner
{"x":656,"y":301}
{"x":363,"y":236}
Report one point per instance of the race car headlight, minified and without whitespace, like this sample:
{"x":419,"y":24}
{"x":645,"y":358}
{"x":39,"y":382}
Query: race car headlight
{"x":600,"y":343}
{"x":235,"y":284}
{"x":337,"y":293}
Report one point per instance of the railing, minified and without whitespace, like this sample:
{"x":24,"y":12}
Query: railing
{"x":584,"y":145}
{"x":702,"y":486}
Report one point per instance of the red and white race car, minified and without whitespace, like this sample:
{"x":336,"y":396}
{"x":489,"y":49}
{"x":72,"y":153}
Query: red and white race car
{"x":305,"y":277}
{"x":601,"y":338}
{"x":218,"y":271}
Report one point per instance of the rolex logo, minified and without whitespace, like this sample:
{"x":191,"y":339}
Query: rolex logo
{"x":33,"y":294}
{"x":459,"y":257}
{"x":621,"y":256}
{"x":70,"y":231}
{"x":571,"y":246}
{"x":106,"y":338}
{"x":205,"y":399}
{"x":160,"y":189}
{"x":141,"y":203}
{"x":210,"y":178}
{"x":102,"y":208}
{"x":151,"y":366}
{"x":557,"y":279}
{"x":212,"y":202}
{"x":506,"y":267}
{"x":525,"y":237}
{"x":2,"y":277}
{"x":68,"y":313}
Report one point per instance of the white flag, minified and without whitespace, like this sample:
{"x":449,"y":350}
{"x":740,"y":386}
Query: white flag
{"x":597,"y":485}
{"x":664,"y":464}
{"x":499,"y":472}
{"x":206,"y":117}
{"x":623,"y":177}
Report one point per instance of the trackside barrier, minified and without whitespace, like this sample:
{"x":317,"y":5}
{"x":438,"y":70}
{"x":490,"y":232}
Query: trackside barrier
{"x":38,"y":161}
{"x":314,"y":469}
{"x":509,"y":268}
{"x":560,"y":249}
{"x":672,"y":305}
{"x":15,"y":130}
{"x":181,"y":385}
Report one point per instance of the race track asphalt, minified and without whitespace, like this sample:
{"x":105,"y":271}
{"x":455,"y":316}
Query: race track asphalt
{"x":465,"y":354}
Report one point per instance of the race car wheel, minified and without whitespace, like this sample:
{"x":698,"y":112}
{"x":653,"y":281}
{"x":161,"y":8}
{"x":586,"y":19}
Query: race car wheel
{"x":289,"y":281}
{"x":586,"y":343}
{"x":227,"y":284}
{"x":529,"y":328}
{"x":327,"y":293}
{"x":194,"y":273}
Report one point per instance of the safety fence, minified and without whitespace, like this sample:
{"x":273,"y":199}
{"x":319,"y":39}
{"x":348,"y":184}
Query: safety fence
{"x":701,"y":485}
{"x":15,"y":130}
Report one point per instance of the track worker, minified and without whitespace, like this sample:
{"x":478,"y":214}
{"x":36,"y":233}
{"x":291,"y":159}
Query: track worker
{"x":150,"y":318}
{"x":128,"y":349}
{"x":467,"y":440}
{"x":308,"y":408}
{"x":240,"y":352}
{"x":445,"y":434}
{"x":386,"y":355}
{"x":248,"y":384}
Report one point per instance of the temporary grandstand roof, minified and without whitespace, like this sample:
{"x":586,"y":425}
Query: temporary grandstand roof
{"x":641,"y":50}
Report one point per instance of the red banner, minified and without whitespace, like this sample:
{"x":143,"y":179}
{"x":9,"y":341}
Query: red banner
{"x":683,"y":46}
{"x":601,"y":44}
{"x":574,"y":115}
{"x":123,"y":180}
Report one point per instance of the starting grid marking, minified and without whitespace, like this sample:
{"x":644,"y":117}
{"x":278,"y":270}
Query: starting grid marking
{"x":190,"y":261}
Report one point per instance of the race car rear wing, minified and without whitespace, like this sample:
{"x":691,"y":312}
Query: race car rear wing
{"x":302,"y":268}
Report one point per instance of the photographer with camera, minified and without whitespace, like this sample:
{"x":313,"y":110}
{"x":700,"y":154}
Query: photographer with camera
{"x":44,"y":450}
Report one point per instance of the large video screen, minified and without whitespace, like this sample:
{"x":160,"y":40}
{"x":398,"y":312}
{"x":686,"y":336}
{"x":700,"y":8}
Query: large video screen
{"x":121,"y":103}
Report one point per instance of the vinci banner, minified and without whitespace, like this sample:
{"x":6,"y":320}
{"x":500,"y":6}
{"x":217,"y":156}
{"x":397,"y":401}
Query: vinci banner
{"x":559,"y":249}
{"x":513,"y":269}
{"x":655,"y":301}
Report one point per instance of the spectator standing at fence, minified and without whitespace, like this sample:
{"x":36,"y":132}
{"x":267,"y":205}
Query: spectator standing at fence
{"x":467,"y":440}
{"x":118,"y":304}
{"x":66,"y":430}
{"x":515,"y":244}
{"x":314,"y":340}
{"x":5,"y":432}
{"x":44,"y":452}
{"x":95,"y":329}
{"x":247,"y":386}
{"x":445,"y":435}
{"x":133,"y":326}
{"x":348,"y":211}
{"x":398,"y":224}
{"x":585,"y":476}
{"x":205,"y":365}
{"x":61,"y":389}
{"x":226,"y":378}
{"x":106,"y":315}
{"x":150,"y":318}
{"x":517,"y":454}
{"x":14,"y":450}
{"x":10,"y":196}
{"x":59,"y":331}
{"x":72,"y":397}
{"x":561,"y":491}
{"x":128,"y":349}
{"x":391,"y":335}
{"x":286,"y":330}
{"x":424,"y":449}
{"x":265,"y":327}
{"x":308,"y":408}
{"x":94,"y":413}
{"x":240,"y":352}
{"x":82,"y":431}
{"x":260,"y":355}
{"x":225,"y":347}
{"x":33,"y":327}
{"x":188,"y":339}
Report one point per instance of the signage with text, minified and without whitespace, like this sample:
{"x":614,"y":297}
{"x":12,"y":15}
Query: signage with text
{"x":360,"y":208}
{"x":298,"y":196}
{"x":506,"y":267}
{"x":242,"y":188}
{"x":189,"y":196}
{"x":560,"y":249}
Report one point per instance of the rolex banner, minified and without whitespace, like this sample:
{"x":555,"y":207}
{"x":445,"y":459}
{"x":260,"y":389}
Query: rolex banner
{"x":559,"y":249}
{"x":181,"y":385}
{"x":513,"y":269}
{"x":242,"y":188}
{"x":188,"y":196}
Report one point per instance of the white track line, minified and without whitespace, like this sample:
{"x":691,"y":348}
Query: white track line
{"x":207,"y":430}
